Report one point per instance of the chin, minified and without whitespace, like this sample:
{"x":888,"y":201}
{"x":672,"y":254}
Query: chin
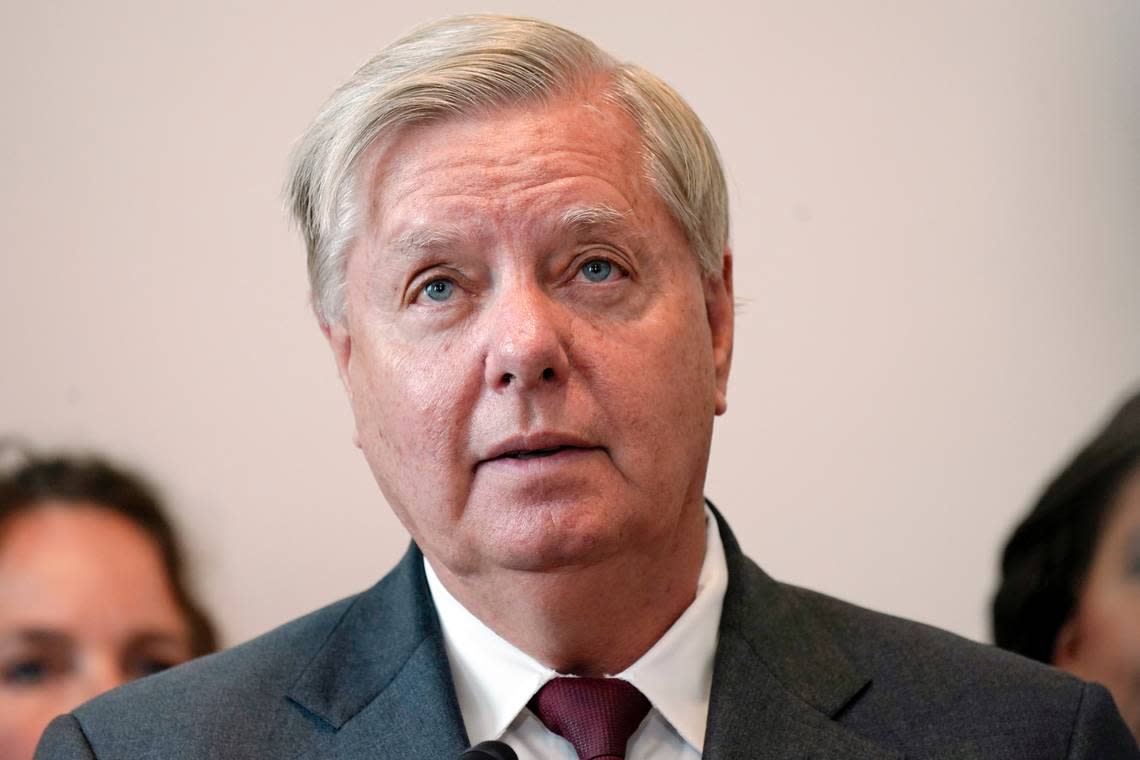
{"x":549,"y":539}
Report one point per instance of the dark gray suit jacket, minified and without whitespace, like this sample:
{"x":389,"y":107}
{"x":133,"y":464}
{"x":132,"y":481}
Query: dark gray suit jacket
{"x":797,"y":675}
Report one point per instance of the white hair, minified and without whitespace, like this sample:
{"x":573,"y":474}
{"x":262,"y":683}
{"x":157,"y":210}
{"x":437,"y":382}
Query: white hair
{"x":466,"y":65}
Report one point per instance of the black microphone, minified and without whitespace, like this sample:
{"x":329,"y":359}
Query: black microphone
{"x":489,"y":751}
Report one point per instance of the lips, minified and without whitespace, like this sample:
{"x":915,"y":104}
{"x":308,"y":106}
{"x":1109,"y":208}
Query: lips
{"x":537,"y":446}
{"x":535,"y":453}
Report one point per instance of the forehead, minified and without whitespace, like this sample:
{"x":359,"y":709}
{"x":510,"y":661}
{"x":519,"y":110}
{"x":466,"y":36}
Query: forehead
{"x":70,"y":564}
{"x":526,"y":162}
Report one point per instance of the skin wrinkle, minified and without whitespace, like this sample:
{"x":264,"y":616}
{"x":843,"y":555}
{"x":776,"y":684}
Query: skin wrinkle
{"x":421,"y":244}
{"x":424,"y":378}
{"x":376,"y":158}
{"x":607,"y":88}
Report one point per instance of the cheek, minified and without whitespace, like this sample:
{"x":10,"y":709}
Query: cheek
{"x":409,"y":398}
{"x":1110,"y":630}
{"x":22,"y":719}
{"x":412,"y":409}
{"x":1124,"y":630}
{"x":658,"y":387}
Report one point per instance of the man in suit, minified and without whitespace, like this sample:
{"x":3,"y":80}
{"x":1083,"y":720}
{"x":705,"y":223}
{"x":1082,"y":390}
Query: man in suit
{"x":518,"y":253}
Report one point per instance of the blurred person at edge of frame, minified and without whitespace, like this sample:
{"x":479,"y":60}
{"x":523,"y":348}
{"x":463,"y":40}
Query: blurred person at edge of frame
{"x":92,"y":593}
{"x":1070,"y":585}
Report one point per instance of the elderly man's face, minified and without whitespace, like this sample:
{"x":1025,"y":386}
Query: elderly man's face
{"x":532,"y":354}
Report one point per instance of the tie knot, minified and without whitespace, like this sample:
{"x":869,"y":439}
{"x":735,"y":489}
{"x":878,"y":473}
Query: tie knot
{"x":596,"y":715}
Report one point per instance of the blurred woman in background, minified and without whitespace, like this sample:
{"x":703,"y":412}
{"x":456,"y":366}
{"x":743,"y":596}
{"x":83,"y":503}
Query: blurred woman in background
{"x":1070,"y":586}
{"x":92,"y":592}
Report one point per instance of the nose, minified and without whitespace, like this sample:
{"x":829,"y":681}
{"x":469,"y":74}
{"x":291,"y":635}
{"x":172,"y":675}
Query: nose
{"x":526,"y":341}
{"x":100,"y":674}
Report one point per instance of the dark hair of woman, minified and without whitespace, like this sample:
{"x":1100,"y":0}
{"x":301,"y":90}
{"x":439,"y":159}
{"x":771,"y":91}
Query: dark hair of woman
{"x":1046,"y":561}
{"x":93,"y":481}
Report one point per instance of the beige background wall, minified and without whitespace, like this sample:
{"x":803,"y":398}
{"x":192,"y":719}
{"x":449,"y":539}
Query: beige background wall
{"x":937,"y":228}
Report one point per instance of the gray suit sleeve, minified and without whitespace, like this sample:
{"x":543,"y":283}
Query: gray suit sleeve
{"x":1098,"y":731}
{"x":64,"y":739}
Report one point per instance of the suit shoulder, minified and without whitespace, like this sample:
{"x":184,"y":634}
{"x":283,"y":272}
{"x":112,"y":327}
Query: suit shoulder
{"x":893,"y":648}
{"x":927,"y":684}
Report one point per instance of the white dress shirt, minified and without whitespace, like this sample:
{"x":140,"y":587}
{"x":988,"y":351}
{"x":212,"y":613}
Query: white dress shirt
{"x":494,"y":680}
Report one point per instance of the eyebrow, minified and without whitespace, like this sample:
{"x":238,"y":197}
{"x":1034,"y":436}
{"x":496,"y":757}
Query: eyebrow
{"x":587,"y":218}
{"x":600,"y":219}
{"x":156,"y":638}
{"x":36,"y":637}
{"x":414,"y":242}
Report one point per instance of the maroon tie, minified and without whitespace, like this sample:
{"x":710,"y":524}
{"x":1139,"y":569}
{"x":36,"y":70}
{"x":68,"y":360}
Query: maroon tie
{"x":596,"y":715}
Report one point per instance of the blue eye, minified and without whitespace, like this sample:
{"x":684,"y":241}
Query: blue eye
{"x":597,"y":270}
{"x":439,"y":290}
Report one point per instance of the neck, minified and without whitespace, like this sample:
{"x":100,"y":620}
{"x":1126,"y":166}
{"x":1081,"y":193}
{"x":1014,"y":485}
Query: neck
{"x":566,"y":619}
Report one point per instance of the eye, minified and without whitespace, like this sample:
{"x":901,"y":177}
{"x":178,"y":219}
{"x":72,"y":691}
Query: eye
{"x":148,"y":666}
{"x":26,"y":672}
{"x":1134,"y":564}
{"x":597,"y":270}
{"x":439,"y":290}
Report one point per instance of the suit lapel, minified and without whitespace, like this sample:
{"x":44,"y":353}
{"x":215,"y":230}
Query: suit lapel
{"x":779,"y":678}
{"x":380,"y":685}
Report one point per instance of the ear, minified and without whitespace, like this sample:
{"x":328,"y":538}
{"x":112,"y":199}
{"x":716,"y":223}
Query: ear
{"x":1068,"y":645}
{"x":720,"y":309}
{"x":340,"y":341}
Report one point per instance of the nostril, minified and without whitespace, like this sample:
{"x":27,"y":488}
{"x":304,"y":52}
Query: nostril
{"x":548,"y":374}
{"x":507,"y":378}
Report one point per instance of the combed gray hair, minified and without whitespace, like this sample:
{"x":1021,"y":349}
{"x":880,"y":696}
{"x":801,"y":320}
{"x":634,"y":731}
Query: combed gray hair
{"x":466,"y":65}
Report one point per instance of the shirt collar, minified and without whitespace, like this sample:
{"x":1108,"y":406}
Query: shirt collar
{"x":494,"y":680}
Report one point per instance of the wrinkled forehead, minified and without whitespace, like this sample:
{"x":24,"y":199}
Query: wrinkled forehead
{"x":571,"y":162}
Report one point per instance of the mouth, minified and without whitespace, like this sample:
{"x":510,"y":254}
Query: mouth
{"x":538,"y":446}
{"x":537,"y":453}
